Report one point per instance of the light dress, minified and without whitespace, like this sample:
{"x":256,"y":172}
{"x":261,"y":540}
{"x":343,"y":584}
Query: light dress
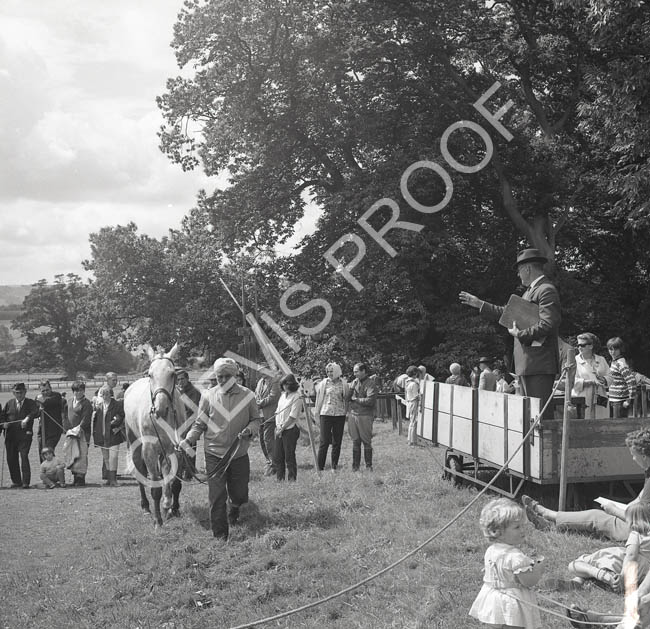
{"x":500,"y":600}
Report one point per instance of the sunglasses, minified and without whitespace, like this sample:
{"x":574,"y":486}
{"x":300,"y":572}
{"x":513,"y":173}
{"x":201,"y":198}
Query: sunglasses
{"x":584,"y":344}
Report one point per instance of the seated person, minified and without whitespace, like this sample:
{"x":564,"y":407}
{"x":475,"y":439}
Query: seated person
{"x":52,"y":470}
{"x":609,"y":521}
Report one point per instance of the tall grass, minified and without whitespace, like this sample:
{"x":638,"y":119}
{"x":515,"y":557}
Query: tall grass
{"x":89,"y":558}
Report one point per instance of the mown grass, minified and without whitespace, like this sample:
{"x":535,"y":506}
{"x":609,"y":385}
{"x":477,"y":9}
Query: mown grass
{"x":88,"y":558}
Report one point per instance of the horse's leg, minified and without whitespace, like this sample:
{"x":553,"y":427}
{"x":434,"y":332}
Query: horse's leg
{"x":144,"y":502}
{"x":156,"y":494}
{"x":176,"y":492}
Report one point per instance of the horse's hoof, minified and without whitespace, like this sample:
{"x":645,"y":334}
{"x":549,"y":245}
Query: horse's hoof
{"x":157,"y":525}
{"x":175,"y":513}
{"x":146,"y":511}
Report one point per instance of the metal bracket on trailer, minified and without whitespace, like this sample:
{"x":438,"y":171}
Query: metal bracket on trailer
{"x":472,"y":479}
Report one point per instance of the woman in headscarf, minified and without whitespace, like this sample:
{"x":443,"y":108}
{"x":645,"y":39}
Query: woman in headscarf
{"x":330,"y":409}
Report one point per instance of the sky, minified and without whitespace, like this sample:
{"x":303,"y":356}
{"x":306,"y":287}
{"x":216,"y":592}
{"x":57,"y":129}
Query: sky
{"x":78,"y":123}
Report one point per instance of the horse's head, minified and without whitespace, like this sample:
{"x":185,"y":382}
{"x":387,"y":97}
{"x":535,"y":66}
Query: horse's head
{"x":162,"y":382}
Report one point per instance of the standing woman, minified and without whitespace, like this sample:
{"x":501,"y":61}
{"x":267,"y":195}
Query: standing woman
{"x":330,"y":408}
{"x":288,"y":413}
{"x":108,"y":426}
{"x":592,"y":377}
{"x":80,"y":411}
{"x":622,"y":388}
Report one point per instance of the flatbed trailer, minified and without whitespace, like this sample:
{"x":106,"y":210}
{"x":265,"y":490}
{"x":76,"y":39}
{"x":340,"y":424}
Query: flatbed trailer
{"x":482,"y":429}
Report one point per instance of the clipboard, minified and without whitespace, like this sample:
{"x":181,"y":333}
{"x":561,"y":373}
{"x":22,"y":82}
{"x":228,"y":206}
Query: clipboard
{"x":525,"y":313}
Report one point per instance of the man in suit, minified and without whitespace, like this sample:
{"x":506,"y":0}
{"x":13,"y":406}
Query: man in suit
{"x":536,"y":356}
{"x":487,"y":380}
{"x":18,"y":421}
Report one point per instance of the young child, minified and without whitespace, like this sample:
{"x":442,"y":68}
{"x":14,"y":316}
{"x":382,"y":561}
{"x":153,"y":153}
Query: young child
{"x":52,"y":471}
{"x":606,"y":565}
{"x":505,"y":599}
{"x":290,"y":409}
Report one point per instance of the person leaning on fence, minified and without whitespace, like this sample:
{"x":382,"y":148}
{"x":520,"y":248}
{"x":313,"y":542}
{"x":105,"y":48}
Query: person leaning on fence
{"x":622,"y":383}
{"x":456,"y":376}
{"x":227,"y":413}
{"x":608,"y":522}
{"x":52,"y":470}
{"x":108,"y":432}
{"x":363,"y":400}
{"x":412,"y":397}
{"x":18,"y":421}
{"x":536,"y":355}
{"x":330,"y":408}
{"x":290,"y":410}
{"x":79,"y":423}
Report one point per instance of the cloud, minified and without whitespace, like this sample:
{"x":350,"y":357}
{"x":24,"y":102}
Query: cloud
{"x":78,"y":144}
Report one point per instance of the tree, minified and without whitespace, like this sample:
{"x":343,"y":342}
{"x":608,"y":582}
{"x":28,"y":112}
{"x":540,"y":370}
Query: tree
{"x":57,"y":323}
{"x":6,"y":340}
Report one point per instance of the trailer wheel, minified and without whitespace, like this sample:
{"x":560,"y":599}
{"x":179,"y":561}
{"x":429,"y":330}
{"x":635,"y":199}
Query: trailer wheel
{"x":455,"y":464}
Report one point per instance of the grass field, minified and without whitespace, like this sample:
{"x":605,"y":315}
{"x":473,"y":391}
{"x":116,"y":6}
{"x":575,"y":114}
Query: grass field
{"x":87,"y":557}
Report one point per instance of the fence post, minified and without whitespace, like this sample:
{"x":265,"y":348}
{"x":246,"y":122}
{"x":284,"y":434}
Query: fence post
{"x":570,"y":377}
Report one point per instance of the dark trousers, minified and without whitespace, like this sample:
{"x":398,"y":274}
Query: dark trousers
{"x":267,"y":439}
{"x":539,"y":385}
{"x":19,"y":451}
{"x":331,"y":432}
{"x":52,"y":437}
{"x":285,"y":453}
{"x":617,"y":410}
{"x":233,"y":485}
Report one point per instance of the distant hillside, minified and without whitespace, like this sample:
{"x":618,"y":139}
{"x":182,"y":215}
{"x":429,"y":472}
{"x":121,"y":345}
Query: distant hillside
{"x":10,"y":295}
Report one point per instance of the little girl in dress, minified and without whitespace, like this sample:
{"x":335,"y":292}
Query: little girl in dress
{"x":505,"y":599}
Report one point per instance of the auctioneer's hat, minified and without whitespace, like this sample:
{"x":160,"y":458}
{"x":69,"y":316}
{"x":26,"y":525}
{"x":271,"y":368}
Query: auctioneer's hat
{"x":529,"y":255}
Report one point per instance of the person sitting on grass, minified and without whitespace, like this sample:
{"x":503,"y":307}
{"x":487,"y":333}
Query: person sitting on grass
{"x":608,"y":522}
{"x":607,"y":565}
{"x":52,"y":470}
{"x":506,"y":600}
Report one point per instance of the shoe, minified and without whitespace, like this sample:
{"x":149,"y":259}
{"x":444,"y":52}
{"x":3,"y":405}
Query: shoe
{"x":537,"y":520}
{"x":26,"y":487}
{"x":15,"y":486}
{"x":609,"y":580}
{"x":578,"y":618}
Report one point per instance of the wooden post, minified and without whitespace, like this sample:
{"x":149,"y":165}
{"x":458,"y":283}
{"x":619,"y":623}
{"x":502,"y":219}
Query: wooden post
{"x":569,"y":380}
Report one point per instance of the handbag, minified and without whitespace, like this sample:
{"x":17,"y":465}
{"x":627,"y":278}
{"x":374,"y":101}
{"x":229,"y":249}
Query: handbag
{"x":601,"y":400}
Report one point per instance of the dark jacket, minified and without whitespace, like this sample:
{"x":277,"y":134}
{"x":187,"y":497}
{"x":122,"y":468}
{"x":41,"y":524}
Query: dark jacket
{"x":51,"y":413}
{"x":363,"y":396}
{"x":80,"y":414}
{"x":536,"y":359}
{"x":108,"y":430}
{"x":191,"y":405}
{"x":15,"y":431}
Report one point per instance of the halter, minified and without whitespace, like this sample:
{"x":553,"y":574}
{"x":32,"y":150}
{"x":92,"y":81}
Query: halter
{"x":154,"y":394}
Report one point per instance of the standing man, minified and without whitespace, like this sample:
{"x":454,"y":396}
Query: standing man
{"x":536,"y":354}
{"x":363,"y":399}
{"x":487,"y":380}
{"x":191,"y":397}
{"x":267,"y":394}
{"x":227,"y":412}
{"x":111,"y":381}
{"x":18,"y":416}
{"x":51,"y":425}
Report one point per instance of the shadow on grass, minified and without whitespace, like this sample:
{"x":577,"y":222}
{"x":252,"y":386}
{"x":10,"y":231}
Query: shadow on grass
{"x":258,"y":522}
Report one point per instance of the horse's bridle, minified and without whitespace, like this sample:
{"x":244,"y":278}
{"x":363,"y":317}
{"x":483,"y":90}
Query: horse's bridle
{"x":154,"y":394}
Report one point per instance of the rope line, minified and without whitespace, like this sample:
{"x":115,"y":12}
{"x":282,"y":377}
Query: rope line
{"x":417,"y":549}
